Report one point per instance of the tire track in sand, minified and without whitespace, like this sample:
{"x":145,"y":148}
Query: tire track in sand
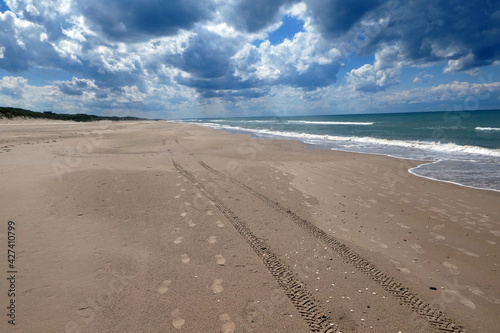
{"x":308,"y":307}
{"x":436,"y":318}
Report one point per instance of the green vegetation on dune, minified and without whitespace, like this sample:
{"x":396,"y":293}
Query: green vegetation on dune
{"x":10,"y":113}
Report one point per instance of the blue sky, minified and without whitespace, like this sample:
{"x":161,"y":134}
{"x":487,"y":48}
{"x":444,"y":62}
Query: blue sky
{"x":215,"y":58}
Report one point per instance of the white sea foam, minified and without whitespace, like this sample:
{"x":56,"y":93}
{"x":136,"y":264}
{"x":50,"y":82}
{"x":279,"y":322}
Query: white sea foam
{"x":487,"y":129}
{"x":243,"y":121}
{"x":330,"y":122}
{"x":321,"y":139}
{"x":422,"y":171}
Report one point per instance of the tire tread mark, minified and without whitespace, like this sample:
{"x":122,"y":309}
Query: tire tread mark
{"x":434,"y":317}
{"x":303,"y":301}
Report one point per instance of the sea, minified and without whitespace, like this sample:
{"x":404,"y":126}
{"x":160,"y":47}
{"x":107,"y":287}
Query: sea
{"x":460,"y":147}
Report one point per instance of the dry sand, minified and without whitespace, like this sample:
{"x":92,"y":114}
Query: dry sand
{"x":163,"y":227}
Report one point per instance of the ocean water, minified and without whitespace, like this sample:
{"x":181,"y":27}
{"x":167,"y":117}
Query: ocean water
{"x":463,"y":146}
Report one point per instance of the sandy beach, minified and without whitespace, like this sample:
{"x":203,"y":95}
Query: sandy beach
{"x":167,"y":227}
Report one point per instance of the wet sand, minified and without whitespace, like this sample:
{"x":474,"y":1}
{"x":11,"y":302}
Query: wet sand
{"x":156,"y":226}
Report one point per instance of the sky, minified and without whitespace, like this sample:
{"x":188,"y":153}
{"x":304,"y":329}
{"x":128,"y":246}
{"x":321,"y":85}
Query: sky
{"x":174,"y":59}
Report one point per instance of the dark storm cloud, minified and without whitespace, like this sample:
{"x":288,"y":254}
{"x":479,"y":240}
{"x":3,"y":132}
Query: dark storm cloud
{"x":465,"y":32}
{"x":22,"y":48}
{"x":338,"y":16}
{"x":207,"y":56}
{"x":252,"y":16}
{"x":132,"y":20}
{"x":208,"y":61}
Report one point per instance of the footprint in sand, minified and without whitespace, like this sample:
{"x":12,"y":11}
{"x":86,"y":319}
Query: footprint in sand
{"x":417,"y":248}
{"x":452,"y":268}
{"x":177,"y":321}
{"x":187,"y":203}
{"x":178,"y":240}
{"x":219,"y":259}
{"x":212,"y":239}
{"x":465,"y":301}
{"x":228,"y":326}
{"x":217,"y":286}
{"x":177,"y":196}
{"x":470,"y":254}
{"x":478,"y":292}
{"x":209,"y":213}
{"x":163,"y":287}
{"x":183,"y":214}
{"x":191,"y":223}
{"x":439,"y":237}
{"x":219,"y":224}
{"x":185,"y":258}
{"x":382,"y":245}
{"x":399,"y":267}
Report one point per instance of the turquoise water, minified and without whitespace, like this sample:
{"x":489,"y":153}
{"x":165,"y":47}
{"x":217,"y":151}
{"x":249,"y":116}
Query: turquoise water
{"x":465,"y":146}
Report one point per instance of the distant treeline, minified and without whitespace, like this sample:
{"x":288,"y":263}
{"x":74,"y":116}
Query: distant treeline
{"x":8,"y":112}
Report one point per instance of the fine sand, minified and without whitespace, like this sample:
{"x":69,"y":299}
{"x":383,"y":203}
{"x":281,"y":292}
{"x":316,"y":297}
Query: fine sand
{"x":164,"y":227}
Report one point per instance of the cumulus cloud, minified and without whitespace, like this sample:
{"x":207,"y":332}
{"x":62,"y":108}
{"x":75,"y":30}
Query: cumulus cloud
{"x":369,"y":78}
{"x":133,"y":20}
{"x":307,"y":61}
{"x":336,"y":17}
{"x":23,"y":44}
{"x":464,"y":33}
{"x":163,"y":52}
{"x":78,"y":87}
{"x":207,"y":56}
{"x":382,"y":74}
{"x":253,"y":16}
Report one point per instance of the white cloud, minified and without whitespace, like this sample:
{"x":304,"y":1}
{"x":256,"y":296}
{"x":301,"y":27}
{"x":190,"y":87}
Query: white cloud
{"x":68,"y":49}
{"x":456,"y":95}
{"x":422,"y":78}
{"x":209,"y":56}
{"x":78,"y":30}
{"x":270,"y":62}
{"x":385,"y":71}
{"x":459,"y":64}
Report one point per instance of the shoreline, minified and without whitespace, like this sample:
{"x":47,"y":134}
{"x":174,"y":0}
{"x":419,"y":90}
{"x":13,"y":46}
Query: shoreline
{"x":447,"y":181}
{"x":210,"y":231}
{"x":312,"y":146}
